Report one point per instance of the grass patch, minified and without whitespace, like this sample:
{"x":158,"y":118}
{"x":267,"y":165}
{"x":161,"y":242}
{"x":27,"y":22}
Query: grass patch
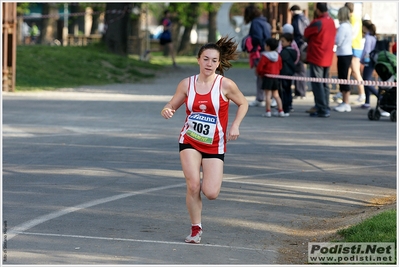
{"x":51,"y":67}
{"x":380,"y":228}
{"x":42,"y":67}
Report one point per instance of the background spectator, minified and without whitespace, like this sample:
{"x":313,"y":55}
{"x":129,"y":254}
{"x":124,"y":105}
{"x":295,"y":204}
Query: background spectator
{"x":299,"y":23}
{"x":320,"y":36}
{"x":260,"y":31}
{"x":343,"y":40}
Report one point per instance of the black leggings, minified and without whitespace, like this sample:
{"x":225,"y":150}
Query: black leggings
{"x":343,"y":65}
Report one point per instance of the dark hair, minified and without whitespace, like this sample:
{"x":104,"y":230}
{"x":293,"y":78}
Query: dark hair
{"x":295,"y":8}
{"x":250,"y":13}
{"x":166,"y":12}
{"x":272,"y":43}
{"x":227,"y":49}
{"x":287,"y":36}
{"x":370,"y":27}
{"x":322,"y":7}
{"x":350,"y":6}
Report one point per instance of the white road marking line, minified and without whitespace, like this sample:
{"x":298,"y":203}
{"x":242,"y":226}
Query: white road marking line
{"x":143,"y":241}
{"x":41,"y":219}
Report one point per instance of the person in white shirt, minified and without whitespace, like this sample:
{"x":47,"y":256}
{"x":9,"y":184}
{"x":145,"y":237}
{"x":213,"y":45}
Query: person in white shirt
{"x":343,"y":41}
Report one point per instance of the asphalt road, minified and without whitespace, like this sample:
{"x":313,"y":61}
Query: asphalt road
{"x":92,"y":175}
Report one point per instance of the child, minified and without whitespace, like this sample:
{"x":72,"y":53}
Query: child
{"x":289,"y":57}
{"x":270,"y":63}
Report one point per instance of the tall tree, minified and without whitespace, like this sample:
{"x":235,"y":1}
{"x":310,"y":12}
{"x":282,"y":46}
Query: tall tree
{"x":190,"y":19}
{"x":212,"y":12}
{"x":117,"y":21}
{"x":49,"y":24}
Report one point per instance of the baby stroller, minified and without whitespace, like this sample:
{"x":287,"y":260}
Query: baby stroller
{"x":385,"y":66}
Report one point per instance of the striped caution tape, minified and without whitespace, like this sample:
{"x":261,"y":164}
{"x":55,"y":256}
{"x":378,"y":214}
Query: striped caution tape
{"x":332,"y":80}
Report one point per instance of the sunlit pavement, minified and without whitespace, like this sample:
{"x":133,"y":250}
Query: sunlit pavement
{"x":92,"y":175}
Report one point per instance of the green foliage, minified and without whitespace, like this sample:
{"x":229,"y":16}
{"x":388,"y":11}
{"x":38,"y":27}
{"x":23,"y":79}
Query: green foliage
{"x":52,"y":67}
{"x":23,"y":8}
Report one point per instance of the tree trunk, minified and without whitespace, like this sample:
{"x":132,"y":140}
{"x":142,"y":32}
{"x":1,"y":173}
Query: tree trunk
{"x":73,"y":26}
{"x":212,"y":26}
{"x":185,"y":45}
{"x":49,"y":23}
{"x":117,"y":27}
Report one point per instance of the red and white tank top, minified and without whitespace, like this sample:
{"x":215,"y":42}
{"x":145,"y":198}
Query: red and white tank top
{"x":207,"y":118}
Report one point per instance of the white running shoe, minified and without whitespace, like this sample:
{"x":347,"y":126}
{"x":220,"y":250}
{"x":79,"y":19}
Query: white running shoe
{"x":343,"y":107}
{"x":274,"y":103}
{"x":257,"y":103}
{"x":338,"y":97}
{"x":384,"y":113}
{"x":361,"y":99}
{"x":195,"y":235}
{"x":267,"y":114}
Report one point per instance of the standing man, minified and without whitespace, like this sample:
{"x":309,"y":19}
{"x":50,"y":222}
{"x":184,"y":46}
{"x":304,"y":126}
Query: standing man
{"x":320,"y":35}
{"x":299,"y":22}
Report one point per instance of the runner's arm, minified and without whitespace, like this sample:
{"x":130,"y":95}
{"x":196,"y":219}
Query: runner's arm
{"x":231,"y":91}
{"x":177,"y":100}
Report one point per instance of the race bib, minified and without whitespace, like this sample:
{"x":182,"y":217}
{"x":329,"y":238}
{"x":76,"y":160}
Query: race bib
{"x":201,"y":127}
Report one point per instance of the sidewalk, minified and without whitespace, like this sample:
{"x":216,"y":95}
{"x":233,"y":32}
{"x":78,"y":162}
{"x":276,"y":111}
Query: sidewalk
{"x":92,"y":175}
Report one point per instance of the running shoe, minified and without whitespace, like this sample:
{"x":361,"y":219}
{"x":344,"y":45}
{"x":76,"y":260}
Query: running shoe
{"x":195,"y":236}
{"x":361,"y":99}
{"x":267,"y":114}
{"x":343,"y":107}
{"x":257,"y":103}
{"x":338,"y":97}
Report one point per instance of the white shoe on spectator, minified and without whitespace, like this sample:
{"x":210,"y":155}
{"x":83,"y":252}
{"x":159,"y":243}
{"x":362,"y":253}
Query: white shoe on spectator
{"x":267,"y":114}
{"x":384,"y":113}
{"x":338,"y":97}
{"x":343,"y":107}
{"x":257,"y":103}
{"x":274,"y":103}
{"x":361,"y":99}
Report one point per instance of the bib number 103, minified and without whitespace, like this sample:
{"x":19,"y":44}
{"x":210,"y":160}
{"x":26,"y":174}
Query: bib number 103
{"x":201,"y":128}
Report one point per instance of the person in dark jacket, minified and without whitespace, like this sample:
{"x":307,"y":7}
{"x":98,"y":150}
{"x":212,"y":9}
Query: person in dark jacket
{"x":260,"y":30}
{"x":288,"y":56}
{"x":320,"y":36}
{"x":299,"y":23}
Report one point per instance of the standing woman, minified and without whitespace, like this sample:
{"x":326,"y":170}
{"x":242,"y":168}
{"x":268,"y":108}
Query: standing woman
{"x":202,"y":141}
{"x":357,"y":48}
{"x":370,"y":40}
{"x":343,"y":40}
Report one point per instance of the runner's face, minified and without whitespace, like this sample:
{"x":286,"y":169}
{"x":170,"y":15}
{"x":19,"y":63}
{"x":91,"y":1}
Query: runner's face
{"x":209,"y":61}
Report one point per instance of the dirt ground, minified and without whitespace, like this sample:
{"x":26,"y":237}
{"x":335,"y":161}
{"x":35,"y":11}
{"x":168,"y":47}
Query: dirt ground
{"x":296,"y":250}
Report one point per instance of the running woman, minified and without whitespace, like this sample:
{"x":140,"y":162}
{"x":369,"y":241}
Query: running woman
{"x":203,"y":138}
